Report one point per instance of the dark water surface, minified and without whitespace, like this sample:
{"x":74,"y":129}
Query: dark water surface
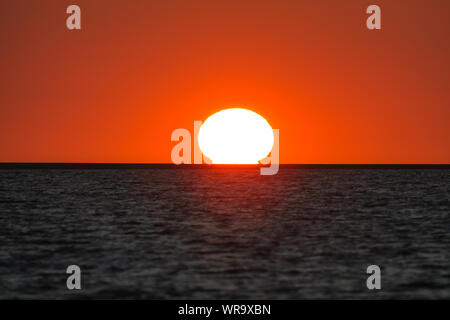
{"x":224,"y":233}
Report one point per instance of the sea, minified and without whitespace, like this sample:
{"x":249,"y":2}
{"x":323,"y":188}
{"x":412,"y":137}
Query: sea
{"x":225,"y":232}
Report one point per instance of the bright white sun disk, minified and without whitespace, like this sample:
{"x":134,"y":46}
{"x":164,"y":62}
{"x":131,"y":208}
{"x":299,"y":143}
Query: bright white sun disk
{"x":236,"y":136}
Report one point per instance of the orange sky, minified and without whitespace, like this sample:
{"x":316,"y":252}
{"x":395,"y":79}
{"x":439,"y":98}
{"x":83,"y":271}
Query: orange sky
{"x":115,"y":91}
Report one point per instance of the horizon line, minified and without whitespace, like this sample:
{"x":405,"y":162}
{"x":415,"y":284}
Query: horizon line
{"x":143,"y":165}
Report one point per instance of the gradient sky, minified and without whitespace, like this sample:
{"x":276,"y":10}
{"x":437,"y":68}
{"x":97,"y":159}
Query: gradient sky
{"x":115,"y":90}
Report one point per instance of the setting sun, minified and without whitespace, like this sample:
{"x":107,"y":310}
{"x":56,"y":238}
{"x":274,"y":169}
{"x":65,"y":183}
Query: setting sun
{"x":236,"y":136}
